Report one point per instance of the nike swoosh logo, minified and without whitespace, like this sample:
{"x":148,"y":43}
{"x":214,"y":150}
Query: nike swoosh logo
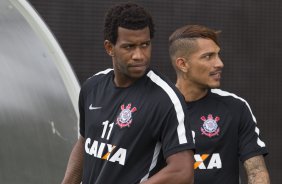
{"x":93,"y":108}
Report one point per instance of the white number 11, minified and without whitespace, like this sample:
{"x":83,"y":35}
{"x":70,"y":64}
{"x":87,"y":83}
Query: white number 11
{"x":106,"y":125}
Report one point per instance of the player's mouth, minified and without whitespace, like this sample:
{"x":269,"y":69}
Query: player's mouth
{"x":216,"y":75}
{"x":138,"y":67}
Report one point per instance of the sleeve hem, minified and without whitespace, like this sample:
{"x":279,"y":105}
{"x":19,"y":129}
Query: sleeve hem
{"x":178,"y":149}
{"x":262,"y":152}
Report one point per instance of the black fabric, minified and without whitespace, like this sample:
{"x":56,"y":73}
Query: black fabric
{"x":133,"y":124}
{"x":224,"y":130}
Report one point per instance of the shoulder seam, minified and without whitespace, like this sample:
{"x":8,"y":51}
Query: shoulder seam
{"x":225,"y":93}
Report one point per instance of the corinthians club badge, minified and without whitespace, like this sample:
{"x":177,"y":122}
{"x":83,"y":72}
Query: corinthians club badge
{"x":210,"y":127}
{"x":125,"y":117}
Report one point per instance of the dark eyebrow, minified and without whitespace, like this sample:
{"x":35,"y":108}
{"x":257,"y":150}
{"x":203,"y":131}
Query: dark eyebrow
{"x":148,"y":41}
{"x":127,"y":44}
{"x":133,"y":44}
{"x":208,"y":54}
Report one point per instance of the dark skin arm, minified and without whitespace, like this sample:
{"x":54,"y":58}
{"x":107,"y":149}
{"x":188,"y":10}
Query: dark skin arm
{"x":73,"y":173}
{"x":179,"y":170}
{"x":256,"y":170}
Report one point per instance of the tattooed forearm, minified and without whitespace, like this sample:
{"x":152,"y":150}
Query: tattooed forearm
{"x":256,"y":170}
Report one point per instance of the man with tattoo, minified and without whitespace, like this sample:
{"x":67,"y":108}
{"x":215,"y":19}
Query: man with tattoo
{"x":222,"y":123}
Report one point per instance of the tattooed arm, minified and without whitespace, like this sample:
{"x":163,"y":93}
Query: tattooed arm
{"x":256,"y":170}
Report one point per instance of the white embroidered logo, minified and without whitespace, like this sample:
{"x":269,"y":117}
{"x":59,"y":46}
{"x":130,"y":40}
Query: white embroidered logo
{"x":93,"y":108}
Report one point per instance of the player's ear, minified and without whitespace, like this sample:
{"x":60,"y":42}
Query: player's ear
{"x":181,"y":64}
{"x":109,"y":48}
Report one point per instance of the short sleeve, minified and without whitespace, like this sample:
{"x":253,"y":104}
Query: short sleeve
{"x":176,"y":133}
{"x":250,"y":143}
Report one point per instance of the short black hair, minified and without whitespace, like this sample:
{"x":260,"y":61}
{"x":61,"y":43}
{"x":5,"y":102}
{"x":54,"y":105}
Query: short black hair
{"x":129,"y":16}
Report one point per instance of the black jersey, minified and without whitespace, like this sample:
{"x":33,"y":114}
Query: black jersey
{"x":130,"y":131}
{"x":225,"y":132}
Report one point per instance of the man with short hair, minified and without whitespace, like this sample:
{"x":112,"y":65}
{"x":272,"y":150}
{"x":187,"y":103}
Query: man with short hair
{"x":223,"y":124}
{"x":133,"y":128}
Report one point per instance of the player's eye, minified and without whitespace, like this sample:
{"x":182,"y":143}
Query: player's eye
{"x":128,"y":46}
{"x":145,"y":45}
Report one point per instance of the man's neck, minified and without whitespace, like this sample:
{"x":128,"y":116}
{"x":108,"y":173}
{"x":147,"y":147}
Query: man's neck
{"x":190,"y":91}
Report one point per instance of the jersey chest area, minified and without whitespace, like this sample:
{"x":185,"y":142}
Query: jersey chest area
{"x":121,"y":116}
{"x":214,"y":125}
{"x":216,"y":137}
{"x":120,"y":123}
